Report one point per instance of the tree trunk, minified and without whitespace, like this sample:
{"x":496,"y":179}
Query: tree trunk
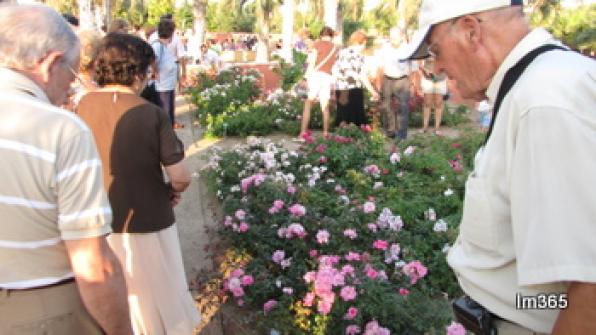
{"x":199,"y":10}
{"x":107,"y":7}
{"x":340,"y":25}
{"x":287,"y":30}
{"x":86,"y":20}
{"x":263,"y":28}
{"x":330,"y":13}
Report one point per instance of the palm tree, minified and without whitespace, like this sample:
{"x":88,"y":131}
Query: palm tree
{"x":287,"y":29}
{"x":264,"y":13}
{"x":199,"y":10}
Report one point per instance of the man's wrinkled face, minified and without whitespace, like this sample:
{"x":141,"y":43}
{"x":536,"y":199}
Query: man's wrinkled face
{"x":61,"y":75}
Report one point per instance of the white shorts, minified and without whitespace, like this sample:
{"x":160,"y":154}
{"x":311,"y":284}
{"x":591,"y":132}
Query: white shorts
{"x":431,"y":87}
{"x":319,"y":86}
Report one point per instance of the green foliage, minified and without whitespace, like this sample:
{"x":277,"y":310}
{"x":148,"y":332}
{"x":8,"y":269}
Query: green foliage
{"x":157,"y":8}
{"x":576,"y":27}
{"x":451,"y":116}
{"x":350,"y":26}
{"x":334,"y":178}
{"x":291,"y":73}
{"x":223,"y":18}
{"x":184,"y":17}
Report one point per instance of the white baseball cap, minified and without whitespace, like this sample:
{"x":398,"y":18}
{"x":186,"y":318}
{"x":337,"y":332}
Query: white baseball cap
{"x":436,"y":11}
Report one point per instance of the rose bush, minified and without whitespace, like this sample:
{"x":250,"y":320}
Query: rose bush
{"x":342,"y":236}
{"x":232,"y":104}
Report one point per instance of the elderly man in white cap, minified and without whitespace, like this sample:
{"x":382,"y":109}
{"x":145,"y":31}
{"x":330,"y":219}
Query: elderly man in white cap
{"x":525,"y":255}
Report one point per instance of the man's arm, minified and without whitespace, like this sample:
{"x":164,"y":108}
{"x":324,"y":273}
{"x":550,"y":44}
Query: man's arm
{"x":179,"y":176}
{"x":101,"y":283}
{"x":580,"y":315}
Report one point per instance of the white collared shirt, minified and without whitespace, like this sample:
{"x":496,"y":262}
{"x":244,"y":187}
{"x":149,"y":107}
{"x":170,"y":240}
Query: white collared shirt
{"x":529,"y":219}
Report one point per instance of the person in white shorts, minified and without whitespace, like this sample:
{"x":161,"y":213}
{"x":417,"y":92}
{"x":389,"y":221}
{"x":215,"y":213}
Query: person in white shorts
{"x":434,"y":88}
{"x":319,"y":79}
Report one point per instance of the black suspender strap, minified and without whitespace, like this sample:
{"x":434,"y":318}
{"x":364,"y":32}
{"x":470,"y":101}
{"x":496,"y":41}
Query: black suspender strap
{"x":512,"y":75}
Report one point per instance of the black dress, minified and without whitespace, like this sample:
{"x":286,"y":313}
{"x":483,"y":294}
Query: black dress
{"x":353,"y":110}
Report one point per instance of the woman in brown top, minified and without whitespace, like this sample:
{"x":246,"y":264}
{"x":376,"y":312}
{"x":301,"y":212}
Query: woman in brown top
{"x":136,"y":143}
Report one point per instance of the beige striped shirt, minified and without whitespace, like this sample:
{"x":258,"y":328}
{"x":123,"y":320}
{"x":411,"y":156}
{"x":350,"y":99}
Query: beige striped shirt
{"x":51,"y":186}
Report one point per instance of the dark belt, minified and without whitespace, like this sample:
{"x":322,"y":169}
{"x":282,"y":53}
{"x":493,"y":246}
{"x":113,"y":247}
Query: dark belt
{"x":59,"y":283}
{"x":398,"y":78}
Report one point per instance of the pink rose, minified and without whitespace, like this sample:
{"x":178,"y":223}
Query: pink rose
{"x":368,"y":207}
{"x":308,"y":300}
{"x":237,"y":273}
{"x":297,"y":210}
{"x":321,"y":148}
{"x":279,"y":204}
{"x":322,"y":159}
{"x":291,"y":189}
{"x":350,"y":233}
{"x":351,"y":313}
{"x":240,"y":214}
{"x":456,"y":329}
{"x":247,"y":280}
{"x":278,"y":256}
{"x":404,"y":291}
{"x":323,"y":237}
{"x":352,"y":330}
{"x":366,"y":128}
{"x":313,"y":253}
{"x":269,"y":305}
{"x":380,"y":244}
{"x":415,"y":270}
{"x":288,"y":290}
{"x":372,"y":227}
{"x":352,"y":256}
{"x":310,"y":276}
{"x":324,"y":307}
{"x":243,"y":228}
{"x":228,"y":221}
{"x":371,"y":273}
{"x":348,"y":293}
{"x":347,"y":270}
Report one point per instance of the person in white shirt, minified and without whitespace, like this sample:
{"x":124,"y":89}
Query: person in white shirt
{"x":167,"y":70}
{"x":525,"y":250}
{"x":395,"y":79}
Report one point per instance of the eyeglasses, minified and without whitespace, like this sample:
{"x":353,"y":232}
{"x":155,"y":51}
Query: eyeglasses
{"x":75,"y":74}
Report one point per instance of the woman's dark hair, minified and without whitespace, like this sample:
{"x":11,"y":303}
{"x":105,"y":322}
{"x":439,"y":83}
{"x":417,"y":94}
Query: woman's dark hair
{"x":165,"y":28}
{"x":120,"y":58}
{"x":326,"y":31}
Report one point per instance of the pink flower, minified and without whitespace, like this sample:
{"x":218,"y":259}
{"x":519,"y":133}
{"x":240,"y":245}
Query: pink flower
{"x":322,"y":159}
{"x":297,"y":210}
{"x":371,"y":272}
{"x":240,"y":214}
{"x":373,"y":328}
{"x":352,"y":330}
{"x":273,"y":210}
{"x":288,"y":290}
{"x":235,"y":286}
{"x":237,"y":273}
{"x":279,"y":204}
{"x":313,"y":253}
{"x":372,"y":169}
{"x":351,"y":313}
{"x":404,"y":291}
{"x":309,"y":298}
{"x":295,"y":230}
{"x":366,"y":128}
{"x":372,"y":227}
{"x":323,"y":237}
{"x":321,"y":148}
{"x":291,"y":189}
{"x":286,"y":263}
{"x":269,"y":305}
{"x":259,"y":178}
{"x":350,"y":233}
{"x":310,"y":276}
{"x":368,"y":207}
{"x":243,"y":228}
{"x":347,"y":270}
{"x":380,"y":244}
{"x":228,"y":221}
{"x":352,"y":256}
{"x":456,"y":329}
{"x":415,"y":270}
{"x":247,"y":280}
{"x":278,"y":256}
{"x":348,"y":293}
{"x":324,"y":306}
{"x":329,"y":260}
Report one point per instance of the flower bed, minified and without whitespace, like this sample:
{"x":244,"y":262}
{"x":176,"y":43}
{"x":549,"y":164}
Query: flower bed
{"x":342,"y":237}
{"x":231,"y":104}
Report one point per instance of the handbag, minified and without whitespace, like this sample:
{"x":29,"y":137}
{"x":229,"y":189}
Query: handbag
{"x":150,"y":94}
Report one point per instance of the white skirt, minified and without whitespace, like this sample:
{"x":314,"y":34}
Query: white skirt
{"x":158,"y":296}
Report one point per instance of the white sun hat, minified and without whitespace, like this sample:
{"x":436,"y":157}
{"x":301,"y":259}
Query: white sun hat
{"x":436,"y":11}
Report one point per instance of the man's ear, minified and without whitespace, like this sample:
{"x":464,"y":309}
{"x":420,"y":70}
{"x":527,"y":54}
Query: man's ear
{"x":47,"y":64}
{"x":471,"y":26}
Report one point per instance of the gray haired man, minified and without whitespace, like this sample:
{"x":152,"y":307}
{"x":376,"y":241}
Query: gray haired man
{"x":525,"y":255}
{"x":57,"y":273}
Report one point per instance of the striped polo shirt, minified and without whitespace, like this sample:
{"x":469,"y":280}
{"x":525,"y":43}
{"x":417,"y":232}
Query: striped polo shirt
{"x":51,"y":186}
